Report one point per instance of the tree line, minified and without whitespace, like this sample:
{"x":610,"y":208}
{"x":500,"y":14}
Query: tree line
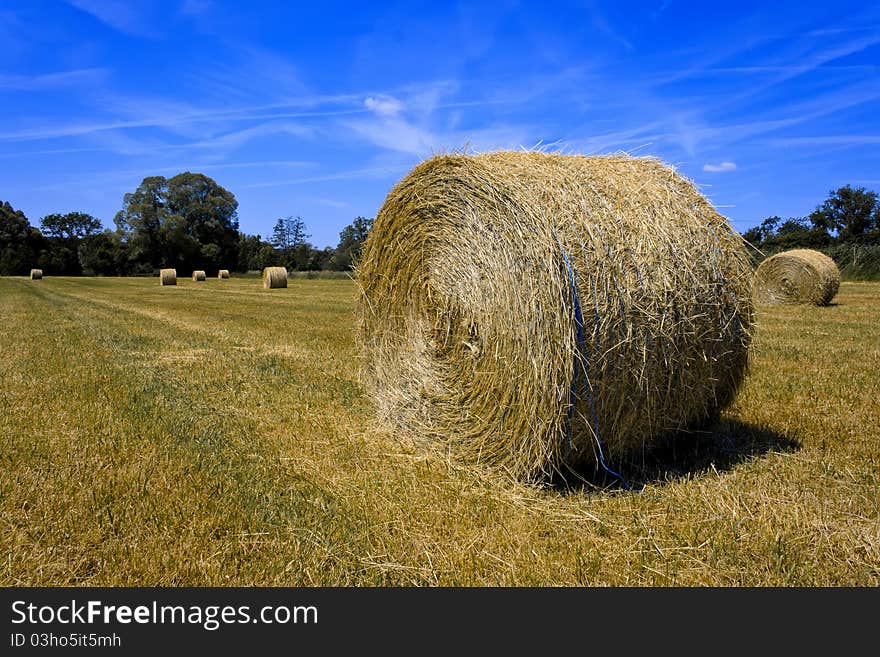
{"x":848,"y":217}
{"x":185,"y":222}
{"x":190,"y":222}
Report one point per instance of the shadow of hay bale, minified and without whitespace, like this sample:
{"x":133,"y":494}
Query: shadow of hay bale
{"x":720,"y":446}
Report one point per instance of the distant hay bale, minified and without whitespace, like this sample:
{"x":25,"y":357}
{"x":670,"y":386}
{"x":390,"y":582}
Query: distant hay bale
{"x":274,"y":277}
{"x":532,"y":311}
{"x":223,"y":274}
{"x":36,"y":274}
{"x":199,"y":275}
{"x":167,"y":277}
{"x":797,"y":276}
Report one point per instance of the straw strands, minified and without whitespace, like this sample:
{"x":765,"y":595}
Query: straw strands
{"x":274,"y":277}
{"x":527,"y":310}
{"x":797,"y":276}
{"x":167,"y":277}
{"x":36,"y":274}
{"x":199,"y":275}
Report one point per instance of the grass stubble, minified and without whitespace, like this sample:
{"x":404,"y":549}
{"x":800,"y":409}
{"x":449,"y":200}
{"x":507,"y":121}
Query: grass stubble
{"x":219,"y":436}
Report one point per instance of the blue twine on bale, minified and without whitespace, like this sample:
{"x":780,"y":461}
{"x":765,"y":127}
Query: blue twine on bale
{"x":588,"y":388}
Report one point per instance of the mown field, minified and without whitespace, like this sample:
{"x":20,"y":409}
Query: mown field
{"x":216,"y":434}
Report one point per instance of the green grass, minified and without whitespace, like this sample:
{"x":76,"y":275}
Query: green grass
{"x":216,"y":434}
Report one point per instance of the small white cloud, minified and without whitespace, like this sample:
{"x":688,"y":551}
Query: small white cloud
{"x":383,"y":105}
{"x":724,"y":167}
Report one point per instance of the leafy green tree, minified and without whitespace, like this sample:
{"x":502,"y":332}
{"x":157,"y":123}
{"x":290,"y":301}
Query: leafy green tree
{"x":255,"y":254}
{"x":767,"y":228}
{"x":102,"y":254}
{"x":303,"y":257}
{"x":796,"y":233}
{"x":873,"y":235}
{"x":848,"y":212}
{"x":753,"y":236}
{"x":351,"y":240}
{"x":321,"y":259}
{"x":208,"y":214}
{"x":186,"y":222}
{"x":140,"y":222}
{"x":60,"y":257}
{"x":289,"y":239}
{"x":64,"y":233}
{"x":71,"y":226}
{"x":19,"y":242}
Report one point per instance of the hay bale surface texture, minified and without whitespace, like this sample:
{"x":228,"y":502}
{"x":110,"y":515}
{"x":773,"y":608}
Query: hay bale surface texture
{"x":36,"y":274}
{"x":525,"y":308}
{"x":199,"y":275}
{"x":223,"y":274}
{"x":167,"y":277}
{"x":274,"y":277}
{"x":797,"y":276}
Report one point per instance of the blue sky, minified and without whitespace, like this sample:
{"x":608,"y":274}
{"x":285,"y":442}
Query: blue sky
{"x":317,"y":111}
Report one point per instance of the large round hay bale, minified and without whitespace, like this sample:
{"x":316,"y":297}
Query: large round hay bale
{"x":797,"y":276}
{"x":274,"y":277}
{"x":36,"y":274}
{"x":223,"y":274}
{"x":532,"y":310}
{"x":199,"y":275}
{"x":167,"y":277}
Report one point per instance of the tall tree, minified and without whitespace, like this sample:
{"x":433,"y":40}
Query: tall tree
{"x":209,"y":214}
{"x":849,"y":212}
{"x":64,"y":233}
{"x":18,"y":241}
{"x":70,"y":226}
{"x":289,"y":239}
{"x":351,"y":240}
{"x":255,"y":254}
{"x":102,"y":254}
{"x":187,"y":222}
{"x":140,"y":222}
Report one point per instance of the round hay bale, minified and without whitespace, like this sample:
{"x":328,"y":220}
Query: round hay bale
{"x":274,"y":277}
{"x":36,"y":274}
{"x":167,"y":277}
{"x":199,"y":275}
{"x":223,"y":274}
{"x":797,"y":276}
{"x":533,"y":311}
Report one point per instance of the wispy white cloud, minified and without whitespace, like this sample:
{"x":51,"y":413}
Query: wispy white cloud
{"x":619,"y":140}
{"x":785,"y":69}
{"x":420,"y":140}
{"x":236,"y":138}
{"x":604,"y":26}
{"x":52,"y":81}
{"x":827,"y":56}
{"x":333,"y":203}
{"x":52,"y":151}
{"x":130,"y":18}
{"x":723,"y":167}
{"x":827,"y":140}
{"x":383,"y":105}
{"x":353,"y":174}
{"x":157,"y":114}
{"x":252,"y":75}
{"x":134,"y":176}
{"x":843,"y":30}
{"x":393,"y":134}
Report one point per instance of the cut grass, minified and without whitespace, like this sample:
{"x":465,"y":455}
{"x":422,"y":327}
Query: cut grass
{"x":215,"y":434}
